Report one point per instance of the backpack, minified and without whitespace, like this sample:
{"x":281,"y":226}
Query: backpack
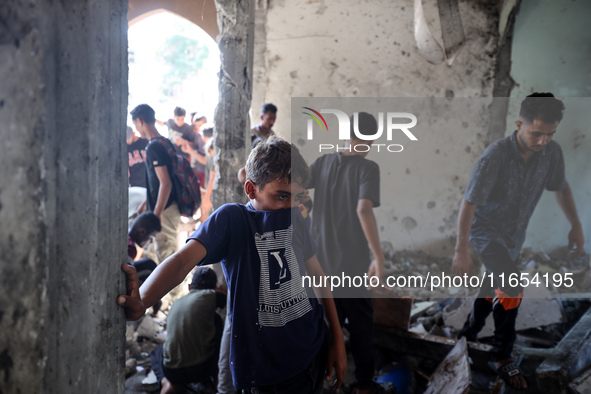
{"x":184,"y":180}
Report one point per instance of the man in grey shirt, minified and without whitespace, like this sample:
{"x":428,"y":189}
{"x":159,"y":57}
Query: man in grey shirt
{"x":504,"y":188}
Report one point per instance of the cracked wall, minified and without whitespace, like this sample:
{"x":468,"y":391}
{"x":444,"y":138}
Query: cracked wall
{"x":329,"y":48}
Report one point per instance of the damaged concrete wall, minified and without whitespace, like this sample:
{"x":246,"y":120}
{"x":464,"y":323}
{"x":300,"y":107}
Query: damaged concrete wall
{"x":329,"y":48}
{"x":551,"y":54}
{"x":63,"y":94}
{"x":232,"y":126}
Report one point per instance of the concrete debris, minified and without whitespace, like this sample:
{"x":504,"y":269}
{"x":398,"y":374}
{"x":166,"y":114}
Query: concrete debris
{"x":582,"y":384}
{"x":418,"y":329}
{"x":130,"y":366}
{"x":141,"y":338}
{"x":130,"y":335}
{"x":553,"y":332}
{"x":160,"y":338}
{"x":419,"y":307}
{"x":418,"y":334}
{"x":453,"y":374}
{"x":148,"y":328}
{"x":150,"y":379}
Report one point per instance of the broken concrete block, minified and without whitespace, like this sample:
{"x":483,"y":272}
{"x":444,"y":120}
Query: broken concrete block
{"x":148,"y":328}
{"x":453,"y":374}
{"x":582,"y":384}
{"x":569,"y":357}
{"x":418,"y":329}
{"x":420,"y":307}
{"x":130,"y":367}
{"x":130,"y":335}
{"x":160,"y":338}
{"x":150,"y":379}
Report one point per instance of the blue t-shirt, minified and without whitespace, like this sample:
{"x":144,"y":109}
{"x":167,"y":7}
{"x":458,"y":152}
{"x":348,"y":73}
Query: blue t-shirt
{"x":277,"y":323}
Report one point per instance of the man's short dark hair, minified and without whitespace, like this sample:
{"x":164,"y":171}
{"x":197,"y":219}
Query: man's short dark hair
{"x":178,"y":111}
{"x":208,"y":132}
{"x":145,"y":113}
{"x":276,"y":159}
{"x":367,"y":125}
{"x":204,"y":278}
{"x":149,"y":221}
{"x":268,"y":107}
{"x":542,"y":106}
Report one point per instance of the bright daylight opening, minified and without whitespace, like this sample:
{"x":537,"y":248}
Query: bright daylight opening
{"x":172,"y":63}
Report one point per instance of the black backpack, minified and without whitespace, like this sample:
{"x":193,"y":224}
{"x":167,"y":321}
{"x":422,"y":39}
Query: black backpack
{"x":185,"y":182}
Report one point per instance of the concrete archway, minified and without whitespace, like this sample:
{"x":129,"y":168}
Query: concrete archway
{"x":201,"y":12}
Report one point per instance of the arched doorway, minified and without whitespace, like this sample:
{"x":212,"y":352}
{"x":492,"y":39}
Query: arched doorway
{"x":172,"y":62}
{"x":200,"y":12}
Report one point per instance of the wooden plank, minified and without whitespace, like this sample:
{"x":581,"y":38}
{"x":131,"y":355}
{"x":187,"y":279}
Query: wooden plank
{"x":391,"y":312}
{"x":453,"y":374}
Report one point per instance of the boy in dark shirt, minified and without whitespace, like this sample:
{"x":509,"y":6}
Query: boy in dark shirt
{"x":279,"y":340}
{"x":161,"y":198}
{"x":346,"y":190}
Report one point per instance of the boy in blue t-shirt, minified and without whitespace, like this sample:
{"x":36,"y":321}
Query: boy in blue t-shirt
{"x":279,"y":342}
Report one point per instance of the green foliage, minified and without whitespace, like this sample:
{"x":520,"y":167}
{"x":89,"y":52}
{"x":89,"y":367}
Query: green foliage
{"x":183,"y":57}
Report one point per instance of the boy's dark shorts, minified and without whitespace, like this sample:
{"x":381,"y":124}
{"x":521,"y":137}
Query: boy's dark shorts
{"x":310,"y":380}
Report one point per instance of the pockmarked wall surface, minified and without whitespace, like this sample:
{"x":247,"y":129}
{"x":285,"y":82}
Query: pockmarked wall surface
{"x":368,"y":49}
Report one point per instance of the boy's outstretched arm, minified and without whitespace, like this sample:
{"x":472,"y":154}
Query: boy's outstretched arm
{"x":337,"y":356}
{"x":164,"y":278}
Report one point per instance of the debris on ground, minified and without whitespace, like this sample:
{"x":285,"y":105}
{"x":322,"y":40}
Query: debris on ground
{"x":416,"y":346}
{"x":553,"y":331}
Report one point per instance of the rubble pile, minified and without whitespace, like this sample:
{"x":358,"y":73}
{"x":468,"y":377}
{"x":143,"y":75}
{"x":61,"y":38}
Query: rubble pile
{"x":552,"y":328}
{"x":416,"y":332}
{"x":141,"y":337}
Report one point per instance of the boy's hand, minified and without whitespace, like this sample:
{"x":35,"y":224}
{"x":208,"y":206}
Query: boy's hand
{"x":134,"y":307}
{"x":576,"y":240}
{"x":185,"y":145}
{"x":376,"y":268}
{"x":337,"y":358}
{"x":462,"y":262}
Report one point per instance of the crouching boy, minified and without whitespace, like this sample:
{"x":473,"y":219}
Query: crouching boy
{"x":279,"y":340}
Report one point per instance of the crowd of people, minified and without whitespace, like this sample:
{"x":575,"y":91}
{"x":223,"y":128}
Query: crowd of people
{"x":280,"y":336}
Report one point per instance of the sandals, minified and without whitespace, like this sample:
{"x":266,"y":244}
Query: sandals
{"x":508,"y":371}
